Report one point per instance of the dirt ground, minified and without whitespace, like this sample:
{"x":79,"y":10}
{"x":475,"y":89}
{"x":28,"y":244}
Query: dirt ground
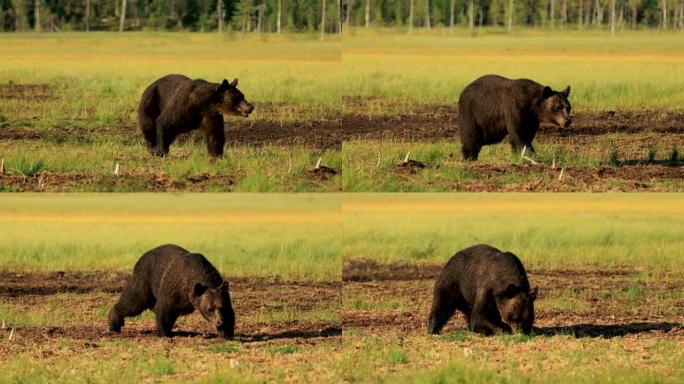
{"x":251,"y":299}
{"x":595,"y":136}
{"x":423,"y":122}
{"x":378,"y":120}
{"x":440,"y":121}
{"x":584,"y":303}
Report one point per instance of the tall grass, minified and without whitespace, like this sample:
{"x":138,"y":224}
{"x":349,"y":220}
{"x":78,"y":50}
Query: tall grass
{"x":545,"y":230}
{"x":639,"y":70}
{"x":251,"y":168}
{"x":291,"y":236}
{"x":292,"y":69}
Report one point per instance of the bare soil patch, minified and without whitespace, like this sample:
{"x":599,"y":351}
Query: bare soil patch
{"x":319,"y":132}
{"x":247,"y":333}
{"x":368,"y":270}
{"x":149,"y":181}
{"x":596,"y":179}
{"x":597,"y":307}
{"x":15,"y":284}
{"x":251,"y":298}
{"x":37,"y":92}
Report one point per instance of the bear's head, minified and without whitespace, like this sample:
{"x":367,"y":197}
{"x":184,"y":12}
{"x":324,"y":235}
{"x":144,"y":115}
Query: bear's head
{"x":555,"y":107}
{"x":230,"y":101}
{"x":214,"y":305}
{"x":516,"y":307}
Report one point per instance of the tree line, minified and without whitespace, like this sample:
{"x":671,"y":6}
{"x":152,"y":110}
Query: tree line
{"x":329,"y":16}
{"x":579,"y":14}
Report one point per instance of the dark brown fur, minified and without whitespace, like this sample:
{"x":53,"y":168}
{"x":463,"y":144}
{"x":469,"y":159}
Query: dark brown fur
{"x":489,"y":287}
{"x":176,"y":104}
{"x":172,"y":282}
{"x":492,"y":107}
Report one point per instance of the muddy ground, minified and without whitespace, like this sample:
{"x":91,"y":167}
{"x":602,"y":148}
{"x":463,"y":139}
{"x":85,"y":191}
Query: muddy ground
{"x":91,"y":291}
{"x":584,"y":303}
{"x":619,"y":140}
{"x":373,"y":120}
{"x":362,"y":118}
{"x":323,"y":132}
{"x":440,"y":121}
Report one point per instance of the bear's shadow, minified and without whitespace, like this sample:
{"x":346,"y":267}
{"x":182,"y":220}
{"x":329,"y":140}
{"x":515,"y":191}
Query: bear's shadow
{"x":608,"y":331}
{"x":256,"y":337}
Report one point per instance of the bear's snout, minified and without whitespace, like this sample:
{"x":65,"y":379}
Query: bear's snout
{"x":245,"y":108}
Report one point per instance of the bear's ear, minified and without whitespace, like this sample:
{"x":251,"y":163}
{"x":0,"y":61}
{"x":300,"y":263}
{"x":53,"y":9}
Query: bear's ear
{"x":566,"y":91}
{"x":533,"y":293}
{"x":234,"y":83}
{"x":222,"y":87}
{"x":547,"y":92}
{"x":199,"y":289}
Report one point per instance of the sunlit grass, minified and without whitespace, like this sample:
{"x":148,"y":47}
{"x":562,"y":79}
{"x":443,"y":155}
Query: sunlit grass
{"x":545,"y":230}
{"x":370,"y":165}
{"x":252,"y":169}
{"x":396,"y":357}
{"x":637,"y":70}
{"x":295,"y":236}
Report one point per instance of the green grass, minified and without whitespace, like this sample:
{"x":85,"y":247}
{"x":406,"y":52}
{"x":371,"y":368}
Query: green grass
{"x":126,"y":361}
{"x":119,"y":66}
{"x":269,"y":168}
{"x":370,"y":165}
{"x":283,"y":350}
{"x":86,"y":117}
{"x":634,"y":70}
{"x":162,"y":366}
{"x":545,"y":230}
{"x":511,"y":359}
{"x":292,"y":236}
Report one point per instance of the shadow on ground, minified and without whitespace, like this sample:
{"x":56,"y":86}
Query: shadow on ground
{"x":609,"y":331}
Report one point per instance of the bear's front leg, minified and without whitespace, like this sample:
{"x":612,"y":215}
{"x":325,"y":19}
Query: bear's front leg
{"x":513,"y":127}
{"x":212,"y":126}
{"x":115,"y":320}
{"x":483,"y":319}
{"x":166,"y":318}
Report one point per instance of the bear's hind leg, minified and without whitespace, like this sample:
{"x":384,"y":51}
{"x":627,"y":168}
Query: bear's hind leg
{"x":134,"y":299}
{"x":443,"y":307}
{"x":149,"y":130}
{"x":471,"y":139}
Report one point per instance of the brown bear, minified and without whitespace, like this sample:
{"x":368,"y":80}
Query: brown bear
{"x":492,"y":107}
{"x":176,"y":104}
{"x":489,"y":286}
{"x":172,"y":282}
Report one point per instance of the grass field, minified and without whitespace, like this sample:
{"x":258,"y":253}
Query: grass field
{"x":69,"y":105}
{"x":635,"y":70}
{"x":294,"y":237}
{"x":68,"y":111}
{"x":401,"y":95}
{"x":65,"y":259}
{"x":608,"y":268}
{"x":640,"y":231}
{"x":331,"y":287}
{"x":648,"y":162}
